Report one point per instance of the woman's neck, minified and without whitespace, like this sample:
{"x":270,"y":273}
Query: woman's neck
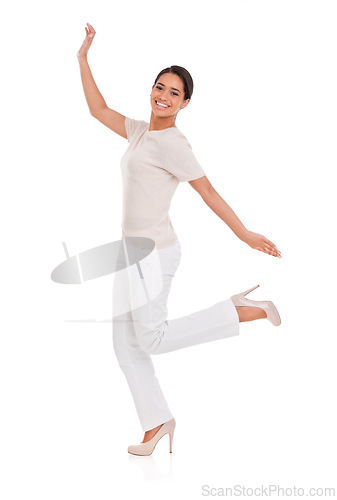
{"x":161,"y":123}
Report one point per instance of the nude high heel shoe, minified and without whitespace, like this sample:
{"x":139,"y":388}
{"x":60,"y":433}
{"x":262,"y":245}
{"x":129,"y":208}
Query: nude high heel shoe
{"x":268,"y":306}
{"x":148,"y":447}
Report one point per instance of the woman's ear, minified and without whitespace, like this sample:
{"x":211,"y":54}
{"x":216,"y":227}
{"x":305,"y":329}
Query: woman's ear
{"x":184,"y":104}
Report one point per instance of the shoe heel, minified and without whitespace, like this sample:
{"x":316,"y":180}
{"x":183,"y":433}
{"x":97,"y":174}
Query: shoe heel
{"x":243,"y":294}
{"x":240,"y":300}
{"x":171,"y":433}
{"x":171,"y":439}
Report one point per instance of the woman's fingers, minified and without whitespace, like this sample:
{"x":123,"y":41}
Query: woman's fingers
{"x":90,"y":32}
{"x":91,"y":29}
{"x":261,"y":243}
{"x":271,"y":249}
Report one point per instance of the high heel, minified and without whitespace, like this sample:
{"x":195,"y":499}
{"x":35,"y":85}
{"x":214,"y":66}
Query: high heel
{"x":268,"y":306}
{"x":148,"y":447}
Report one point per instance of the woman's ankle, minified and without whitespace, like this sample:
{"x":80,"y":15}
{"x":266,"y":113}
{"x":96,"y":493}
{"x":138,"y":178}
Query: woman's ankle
{"x":247,"y":313}
{"x":149,"y":434}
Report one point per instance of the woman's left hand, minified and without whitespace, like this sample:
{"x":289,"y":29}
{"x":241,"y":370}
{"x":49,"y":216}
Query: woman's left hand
{"x":260,"y":242}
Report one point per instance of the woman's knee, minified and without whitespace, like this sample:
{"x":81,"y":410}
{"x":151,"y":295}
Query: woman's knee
{"x":150,"y":341}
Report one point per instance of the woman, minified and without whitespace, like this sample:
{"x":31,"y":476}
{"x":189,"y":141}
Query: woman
{"x":157,"y":159}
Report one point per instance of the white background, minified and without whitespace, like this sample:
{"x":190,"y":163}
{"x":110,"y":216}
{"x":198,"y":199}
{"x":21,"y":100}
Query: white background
{"x":255,"y":409}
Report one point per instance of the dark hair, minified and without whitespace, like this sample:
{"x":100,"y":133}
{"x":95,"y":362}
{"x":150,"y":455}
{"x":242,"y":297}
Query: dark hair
{"x":184,"y":75}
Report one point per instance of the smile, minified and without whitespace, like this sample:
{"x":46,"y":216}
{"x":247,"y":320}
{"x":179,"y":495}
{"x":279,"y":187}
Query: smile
{"x":161,"y":106}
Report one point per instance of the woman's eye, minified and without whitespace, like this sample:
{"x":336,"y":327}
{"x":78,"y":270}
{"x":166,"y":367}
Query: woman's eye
{"x":161,"y":88}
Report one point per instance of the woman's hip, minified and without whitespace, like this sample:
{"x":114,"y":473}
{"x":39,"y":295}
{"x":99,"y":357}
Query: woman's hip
{"x":170,"y":258}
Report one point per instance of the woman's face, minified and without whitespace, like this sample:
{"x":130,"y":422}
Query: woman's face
{"x":169,"y":90}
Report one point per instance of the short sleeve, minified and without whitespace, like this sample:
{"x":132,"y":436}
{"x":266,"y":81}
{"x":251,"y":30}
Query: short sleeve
{"x":180,"y":160}
{"x":131,"y":127}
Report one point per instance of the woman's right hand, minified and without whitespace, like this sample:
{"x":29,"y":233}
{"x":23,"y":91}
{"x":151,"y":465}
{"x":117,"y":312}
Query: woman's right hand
{"x":260,"y":242}
{"x":90,"y":33}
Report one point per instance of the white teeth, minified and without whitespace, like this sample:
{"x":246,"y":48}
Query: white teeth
{"x":162,"y":105}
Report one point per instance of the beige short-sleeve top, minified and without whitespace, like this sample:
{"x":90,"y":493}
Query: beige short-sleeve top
{"x":152,"y":167}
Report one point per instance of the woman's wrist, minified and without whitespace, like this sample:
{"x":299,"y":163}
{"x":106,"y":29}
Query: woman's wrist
{"x":82,"y":58}
{"x":243,"y":234}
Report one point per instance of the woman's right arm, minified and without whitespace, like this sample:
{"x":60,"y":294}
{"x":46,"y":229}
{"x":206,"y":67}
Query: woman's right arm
{"x":97,"y":105}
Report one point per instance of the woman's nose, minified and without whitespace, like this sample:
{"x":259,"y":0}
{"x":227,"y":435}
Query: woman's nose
{"x":164,"y":95}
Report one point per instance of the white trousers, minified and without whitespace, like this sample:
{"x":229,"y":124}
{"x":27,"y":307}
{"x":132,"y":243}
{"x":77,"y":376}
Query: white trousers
{"x":145,"y":330}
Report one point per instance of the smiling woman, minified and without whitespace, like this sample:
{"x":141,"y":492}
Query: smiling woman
{"x":171,"y":92}
{"x":157,"y":159}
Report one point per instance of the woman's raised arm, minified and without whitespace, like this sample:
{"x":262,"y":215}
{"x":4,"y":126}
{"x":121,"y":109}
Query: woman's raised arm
{"x":97,"y":105}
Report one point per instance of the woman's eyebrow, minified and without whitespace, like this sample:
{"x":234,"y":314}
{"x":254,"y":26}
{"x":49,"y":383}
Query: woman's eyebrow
{"x":171,"y":87}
